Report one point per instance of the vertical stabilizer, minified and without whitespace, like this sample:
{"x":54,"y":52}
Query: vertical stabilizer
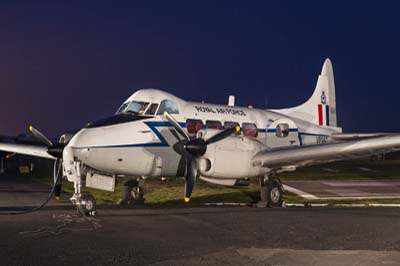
{"x":320,"y":109}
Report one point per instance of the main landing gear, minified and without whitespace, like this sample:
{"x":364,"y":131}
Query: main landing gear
{"x":133,"y":192}
{"x":271,"y":191}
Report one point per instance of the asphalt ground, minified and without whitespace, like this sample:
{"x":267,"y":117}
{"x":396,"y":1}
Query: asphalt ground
{"x":203,"y":236}
{"x":186,"y":235}
{"x":339,"y":189}
{"x":23,"y":191}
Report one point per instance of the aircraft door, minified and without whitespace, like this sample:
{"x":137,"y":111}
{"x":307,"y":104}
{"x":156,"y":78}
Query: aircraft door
{"x":282,"y":133}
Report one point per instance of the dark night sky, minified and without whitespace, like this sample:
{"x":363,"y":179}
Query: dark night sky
{"x":62,"y":65}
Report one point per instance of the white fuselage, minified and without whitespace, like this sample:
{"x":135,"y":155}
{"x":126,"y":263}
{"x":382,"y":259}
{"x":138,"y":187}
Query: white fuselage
{"x":143,"y":145}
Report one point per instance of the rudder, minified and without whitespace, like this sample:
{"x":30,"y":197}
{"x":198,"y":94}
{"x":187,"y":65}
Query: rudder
{"x":320,"y":109}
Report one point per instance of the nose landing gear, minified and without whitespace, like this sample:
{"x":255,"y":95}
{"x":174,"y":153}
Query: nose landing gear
{"x":85,"y":203}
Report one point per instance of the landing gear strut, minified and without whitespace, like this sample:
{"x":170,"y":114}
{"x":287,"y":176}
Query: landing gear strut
{"x":85,"y":203}
{"x":271,"y":191}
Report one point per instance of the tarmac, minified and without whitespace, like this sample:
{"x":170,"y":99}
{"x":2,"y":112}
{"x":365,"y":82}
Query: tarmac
{"x":56,"y":235}
{"x":349,"y":189}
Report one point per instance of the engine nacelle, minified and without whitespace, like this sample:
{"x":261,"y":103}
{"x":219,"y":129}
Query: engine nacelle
{"x":226,"y":181}
{"x":230,"y":158}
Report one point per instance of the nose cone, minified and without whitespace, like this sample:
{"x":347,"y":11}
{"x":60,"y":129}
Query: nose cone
{"x":79,"y":145}
{"x":82,"y":139}
{"x":115,"y":149}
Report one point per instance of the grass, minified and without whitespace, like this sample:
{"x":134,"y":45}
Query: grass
{"x":171,"y":191}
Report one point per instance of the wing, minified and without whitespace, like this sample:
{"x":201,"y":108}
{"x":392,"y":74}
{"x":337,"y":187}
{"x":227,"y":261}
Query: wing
{"x":317,"y":154}
{"x":38,"y":151}
{"x":353,"y":136}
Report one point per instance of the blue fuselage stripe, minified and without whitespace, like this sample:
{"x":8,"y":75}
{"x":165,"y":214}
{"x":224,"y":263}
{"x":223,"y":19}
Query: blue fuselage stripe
{"x":163,"y":143}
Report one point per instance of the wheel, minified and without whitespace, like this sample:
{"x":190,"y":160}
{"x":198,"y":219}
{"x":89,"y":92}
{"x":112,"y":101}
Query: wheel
{"x":87,"y":206}
{"x":273,"y":193}
{"x":137,"y":193}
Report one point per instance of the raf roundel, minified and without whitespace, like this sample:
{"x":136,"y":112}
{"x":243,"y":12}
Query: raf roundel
{"x":323,"y":98}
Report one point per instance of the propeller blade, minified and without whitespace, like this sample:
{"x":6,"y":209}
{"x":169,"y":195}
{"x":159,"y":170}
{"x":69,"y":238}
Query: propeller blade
{"x":223,"y":134}
{"x":190,"y":177}
{"x":176,"y":125}
{"x":40,"y":136}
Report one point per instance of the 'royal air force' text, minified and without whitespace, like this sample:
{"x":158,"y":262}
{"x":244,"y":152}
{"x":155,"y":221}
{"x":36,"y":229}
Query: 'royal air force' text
{"x":218,"y":110}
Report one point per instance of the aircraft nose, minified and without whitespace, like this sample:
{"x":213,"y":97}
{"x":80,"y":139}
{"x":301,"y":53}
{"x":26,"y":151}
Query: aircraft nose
{"x":77,"y":139}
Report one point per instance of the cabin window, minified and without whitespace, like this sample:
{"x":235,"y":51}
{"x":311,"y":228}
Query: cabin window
{"x":213,"y":124}
{"x":152,"y":109}
{"x":230,"y":124}
{"x":249,"y":130}
{"x":193,"y":125}
{"x":282,"y":130}
{"x":168,"y":106}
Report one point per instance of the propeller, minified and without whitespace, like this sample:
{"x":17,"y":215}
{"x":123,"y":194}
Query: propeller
{"x":55,"y":150}
{"x":192,"y":149}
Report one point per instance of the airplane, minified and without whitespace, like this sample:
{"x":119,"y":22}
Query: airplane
{"x":156,"y":134}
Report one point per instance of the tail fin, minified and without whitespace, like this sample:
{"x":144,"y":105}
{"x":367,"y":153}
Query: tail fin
{"x":320,"y":109}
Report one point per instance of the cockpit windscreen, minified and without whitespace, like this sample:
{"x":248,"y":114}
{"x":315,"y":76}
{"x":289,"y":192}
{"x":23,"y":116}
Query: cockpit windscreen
{"x":133,"y":107}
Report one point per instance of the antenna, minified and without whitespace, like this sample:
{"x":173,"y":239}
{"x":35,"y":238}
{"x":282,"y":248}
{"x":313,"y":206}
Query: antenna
{"x":231,"y":100}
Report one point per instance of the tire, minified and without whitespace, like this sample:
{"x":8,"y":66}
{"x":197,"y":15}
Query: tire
{"x":137,"y":195}
{"x":87,"y":206}
{"x":274,"y":194}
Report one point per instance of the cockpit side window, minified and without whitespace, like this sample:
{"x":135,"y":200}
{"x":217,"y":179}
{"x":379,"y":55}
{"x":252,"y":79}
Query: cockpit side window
{"x":168,"y":106}
{"x":152,"y":109}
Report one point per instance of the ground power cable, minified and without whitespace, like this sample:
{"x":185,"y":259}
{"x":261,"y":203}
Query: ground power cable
{"x":57,"y":174}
